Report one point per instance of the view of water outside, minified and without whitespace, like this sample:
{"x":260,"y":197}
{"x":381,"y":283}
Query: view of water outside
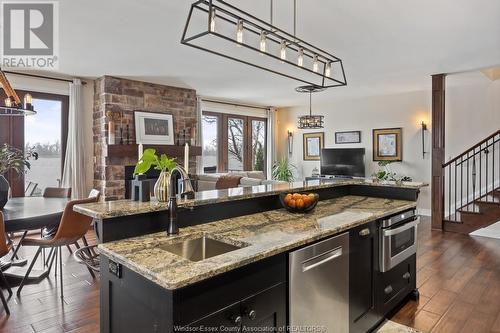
{"x":235,"y":144}
{"x":210,"y":144}
{"x":43,"y":133}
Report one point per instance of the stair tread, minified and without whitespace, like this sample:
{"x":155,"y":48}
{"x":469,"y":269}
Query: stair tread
{"x":471,"y":208}
{"x":489,"y":198}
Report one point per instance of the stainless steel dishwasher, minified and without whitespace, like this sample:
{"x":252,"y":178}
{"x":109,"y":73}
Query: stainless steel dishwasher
{"x":319,"y":286}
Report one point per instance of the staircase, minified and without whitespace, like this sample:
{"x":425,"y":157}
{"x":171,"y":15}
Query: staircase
{"x":471,"y":187}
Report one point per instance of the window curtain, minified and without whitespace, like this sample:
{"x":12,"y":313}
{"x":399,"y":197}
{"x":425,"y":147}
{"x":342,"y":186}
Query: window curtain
{"x":74,"y":174}
{"x":199,"y":135}
{"x":271,"y":147}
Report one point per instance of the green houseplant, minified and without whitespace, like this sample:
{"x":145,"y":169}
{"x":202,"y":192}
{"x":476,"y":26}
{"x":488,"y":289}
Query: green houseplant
{"x":283,"y":170}
{"x":161,"y":163}
{"x":12,"y":159}
{"x":385,"y":173}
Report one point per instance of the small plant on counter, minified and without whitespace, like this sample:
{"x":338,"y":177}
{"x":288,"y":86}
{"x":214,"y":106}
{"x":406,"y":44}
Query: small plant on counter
{"x":385,"y":173}
{"x":150,"y":159}
{"x":283,"y":170}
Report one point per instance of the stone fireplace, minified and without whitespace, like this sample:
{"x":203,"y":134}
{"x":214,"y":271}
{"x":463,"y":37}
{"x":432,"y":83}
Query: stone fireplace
{"x":117,"y":96}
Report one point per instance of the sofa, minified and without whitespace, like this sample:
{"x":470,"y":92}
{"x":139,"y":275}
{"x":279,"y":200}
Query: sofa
{"x":208,"y":181}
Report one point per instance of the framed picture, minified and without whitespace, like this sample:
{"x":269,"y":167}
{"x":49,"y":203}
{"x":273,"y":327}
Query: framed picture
{"x":387,"y":144}
{"x":154,"y":128}
{"x":313,"y":143}
{"x":348,"y":137}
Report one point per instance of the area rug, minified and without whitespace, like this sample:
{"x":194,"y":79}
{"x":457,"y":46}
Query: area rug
{"x":491,"y":231}
{"x":391,"y":327}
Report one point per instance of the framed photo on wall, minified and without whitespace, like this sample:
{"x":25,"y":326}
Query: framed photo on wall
{"x":388,"y":144}
{"x":312,"y":145}
{"x":348,"y":137}
{"x":154,"y":128}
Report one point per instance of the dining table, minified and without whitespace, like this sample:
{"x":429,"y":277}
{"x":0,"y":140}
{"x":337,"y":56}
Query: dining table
{"x":23,"y":214}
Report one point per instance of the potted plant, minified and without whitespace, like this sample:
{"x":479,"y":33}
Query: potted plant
{"x":283,"y":170}
{"x":163,"y":164}
{"x":385,"y":173}
{"x":12,"y":159}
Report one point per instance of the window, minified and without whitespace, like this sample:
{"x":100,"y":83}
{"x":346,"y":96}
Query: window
{"x":233,"y":143}
{"x":46,"y":133}
{"x":43,"y":134}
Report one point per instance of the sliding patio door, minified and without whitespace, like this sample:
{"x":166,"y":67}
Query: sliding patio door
{"x":46,"y":134}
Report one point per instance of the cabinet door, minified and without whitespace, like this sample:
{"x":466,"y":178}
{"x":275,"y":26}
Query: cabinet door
{"x":363,"y":249}
{"x":266,"y":311}
{"x":228,"y":319}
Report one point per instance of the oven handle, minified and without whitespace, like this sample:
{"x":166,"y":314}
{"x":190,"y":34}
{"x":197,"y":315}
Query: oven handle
{"x":405,"y":227}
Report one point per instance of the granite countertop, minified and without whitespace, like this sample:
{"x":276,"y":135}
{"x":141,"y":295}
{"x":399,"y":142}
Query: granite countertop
{"x":109,"y":209}
{"x":262,"y":235}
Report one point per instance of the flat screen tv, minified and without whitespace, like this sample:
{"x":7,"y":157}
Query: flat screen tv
{"x":343,"y":162}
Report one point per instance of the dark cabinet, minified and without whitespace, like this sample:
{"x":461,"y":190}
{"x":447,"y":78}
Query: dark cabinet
{"x":263,"y":312}
{"x":363,"y":244}
{"x":249,"y":298}
{"x":225,"y":320}
{"x":266,"y":311}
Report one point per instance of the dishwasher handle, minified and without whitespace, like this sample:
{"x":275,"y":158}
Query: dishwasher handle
{"x":321,"y":259}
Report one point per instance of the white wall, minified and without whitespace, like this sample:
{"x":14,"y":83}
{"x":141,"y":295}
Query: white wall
{"x":401,"y":110}
{"x":62,"y":88}
{"x":472,"y":110}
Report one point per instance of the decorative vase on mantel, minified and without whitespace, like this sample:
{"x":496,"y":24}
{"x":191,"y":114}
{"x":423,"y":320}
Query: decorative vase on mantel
{"x":4,"y":191}
{"x":162,"y":186}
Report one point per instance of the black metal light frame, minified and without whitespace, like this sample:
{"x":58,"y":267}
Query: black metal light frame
{"x":310,"y":121}
{"x":255,"y":25}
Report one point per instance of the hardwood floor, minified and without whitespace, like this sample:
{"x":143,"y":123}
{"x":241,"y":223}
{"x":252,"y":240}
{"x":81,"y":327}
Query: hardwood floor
{"x":459,"y":281}
{"x":40,"y":309}
{"x":458,"y":278}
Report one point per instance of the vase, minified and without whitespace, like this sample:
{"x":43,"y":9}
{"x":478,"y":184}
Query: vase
{"x":4,"y":191}
{"x":162,"y":186}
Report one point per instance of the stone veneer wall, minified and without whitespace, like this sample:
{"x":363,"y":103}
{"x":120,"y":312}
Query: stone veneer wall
{"x":126,"y":96}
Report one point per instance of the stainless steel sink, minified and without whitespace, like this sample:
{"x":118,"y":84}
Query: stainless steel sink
{"x":199,"y":248}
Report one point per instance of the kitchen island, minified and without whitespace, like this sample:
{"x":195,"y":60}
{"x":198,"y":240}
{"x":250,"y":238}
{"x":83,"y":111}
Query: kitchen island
{"x":156,"y":283}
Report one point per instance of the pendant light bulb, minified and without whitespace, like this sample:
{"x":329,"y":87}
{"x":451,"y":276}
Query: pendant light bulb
{"x":300,"y":58}
{"x":212,"y":21}
{"x":328,"y":69}
{"x":283,"y":50}
{"x":315,"y":63}
{"x":263,"y":42}
{"x":239,"y":32}
{"x":8,"y":102}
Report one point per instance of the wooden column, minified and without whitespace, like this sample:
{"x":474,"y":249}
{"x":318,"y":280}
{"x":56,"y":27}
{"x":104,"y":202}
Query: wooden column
{"x":438,"y":153}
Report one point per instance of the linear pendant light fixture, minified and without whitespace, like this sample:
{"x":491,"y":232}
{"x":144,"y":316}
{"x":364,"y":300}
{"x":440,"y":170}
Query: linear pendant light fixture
{"x":12,"y":104}
{"x":220,"y":28}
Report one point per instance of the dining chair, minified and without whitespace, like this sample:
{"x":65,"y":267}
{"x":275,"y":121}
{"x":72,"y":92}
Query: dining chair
{"x":72,"y":227}
{"x":4,"y":250}
{"x":54,"y":192}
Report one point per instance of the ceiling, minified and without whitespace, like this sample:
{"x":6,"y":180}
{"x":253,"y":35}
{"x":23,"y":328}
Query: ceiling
{"x":388,"y":46}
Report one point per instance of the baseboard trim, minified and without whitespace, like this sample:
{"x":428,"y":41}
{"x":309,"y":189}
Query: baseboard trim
{"x":424,"y":212}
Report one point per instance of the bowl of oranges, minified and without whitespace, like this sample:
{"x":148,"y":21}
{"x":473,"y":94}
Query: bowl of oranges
{"x":299,"y":203}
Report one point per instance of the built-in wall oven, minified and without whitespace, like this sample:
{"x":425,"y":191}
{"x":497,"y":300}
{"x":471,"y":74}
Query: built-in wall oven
{"x":398,"y":239}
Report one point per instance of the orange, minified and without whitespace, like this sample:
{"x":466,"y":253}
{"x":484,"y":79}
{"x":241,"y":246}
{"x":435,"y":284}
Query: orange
{"x":292,"y":203}
{"x":287,"y":199}
{"x":300,"y":204}
{"x":307,"y":201}
{"x":297,"y":196}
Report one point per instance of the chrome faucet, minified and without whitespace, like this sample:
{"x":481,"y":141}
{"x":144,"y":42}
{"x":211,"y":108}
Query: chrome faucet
{"x":187,"y":191}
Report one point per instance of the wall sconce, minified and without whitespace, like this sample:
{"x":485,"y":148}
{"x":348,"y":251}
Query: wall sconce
{"x":290,"y":142}
{"x":424,"y":129}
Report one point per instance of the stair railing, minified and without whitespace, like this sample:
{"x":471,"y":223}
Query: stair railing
{"x":471,"y":176}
